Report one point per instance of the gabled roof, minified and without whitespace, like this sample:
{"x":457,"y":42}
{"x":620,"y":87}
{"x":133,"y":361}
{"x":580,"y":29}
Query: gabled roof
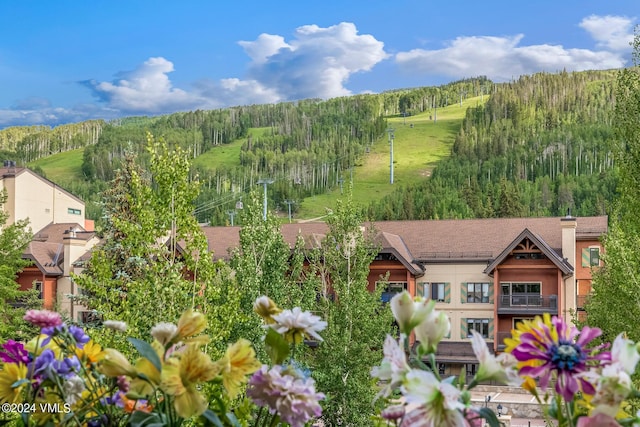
{"x":46,"y":249}
{"x":560,"y":262}
{"x":46,"y":256}
{"x":13,"y":171}
{"x":393,"y":244}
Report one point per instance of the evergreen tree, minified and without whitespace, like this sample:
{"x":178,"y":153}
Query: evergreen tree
{"x":614,"y":305}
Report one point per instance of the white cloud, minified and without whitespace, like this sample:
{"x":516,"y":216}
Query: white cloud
{"x":610,"y":32}
{"x":503,"y":58}
{"x":232,"y":91}
{"x":265,"y":46}
{"x":27,"y":113}
{"x":146,"y":90}
{"x":316,"y":63}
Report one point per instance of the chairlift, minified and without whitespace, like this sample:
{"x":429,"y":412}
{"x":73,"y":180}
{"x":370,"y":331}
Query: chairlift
{"x":239,"y":204}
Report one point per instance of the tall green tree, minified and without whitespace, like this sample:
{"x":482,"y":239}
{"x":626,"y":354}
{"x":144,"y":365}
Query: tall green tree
{"x":357,"y":320}
{"x":264,"y":265}
{"x":614,"y":305}
{"x":14,"y":239}
{"x":154,"y":261}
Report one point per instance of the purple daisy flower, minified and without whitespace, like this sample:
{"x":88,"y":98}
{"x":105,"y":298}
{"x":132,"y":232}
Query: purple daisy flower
{"x":562,"y":350}
{"x":14,"y":352}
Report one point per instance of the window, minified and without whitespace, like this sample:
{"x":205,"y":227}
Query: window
{"x":478,"y":292}
{"x":521,"y":293}
{"x":438,"y":292}
{"x":591,"y":257}
{"x":74,"y":211}
{"x":481,"y":326}
{"x":472,"y":369}
{"x":37,"y":285}
{"x":442,"y":369}
{"x":594,"y":257}
{"x":391,"y":289}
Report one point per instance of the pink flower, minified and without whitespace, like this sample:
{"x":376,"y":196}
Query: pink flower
{"x":393,"y":413}
{"x":294,"y":398}
{"x":599,"y":420}
{"x":43,"y":318}
{"x":474,"y":419}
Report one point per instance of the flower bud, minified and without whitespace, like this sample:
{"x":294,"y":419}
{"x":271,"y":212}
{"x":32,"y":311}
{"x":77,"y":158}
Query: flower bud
{"x":409,"y":313}
{"x":431,"y":331}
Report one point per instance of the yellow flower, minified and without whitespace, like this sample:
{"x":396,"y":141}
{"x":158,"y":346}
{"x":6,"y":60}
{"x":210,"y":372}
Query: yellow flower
{"x":10,"y":387}
{"x":147,"y":370}
{"x":91,"y":353}
{"x":266,"y":308}
{"x":115,"y":364}
{"x":180,"y":375}
{"x":35,"y":346}
{"x":191,"y":323}
{"x":238,"y":361}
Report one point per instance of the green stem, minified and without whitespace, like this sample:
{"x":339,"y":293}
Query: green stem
{"x":275,"y":420}
{"x":260,"y":413}
{"x":569,"y":413}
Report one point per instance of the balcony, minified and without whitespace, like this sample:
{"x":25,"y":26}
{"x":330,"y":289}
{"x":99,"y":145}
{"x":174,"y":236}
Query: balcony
{"x":527,"y":304}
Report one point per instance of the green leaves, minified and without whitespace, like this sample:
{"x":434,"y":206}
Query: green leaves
{"x":276,"y":347}
{"x":147,"y":419}
{"x":146,"y":351}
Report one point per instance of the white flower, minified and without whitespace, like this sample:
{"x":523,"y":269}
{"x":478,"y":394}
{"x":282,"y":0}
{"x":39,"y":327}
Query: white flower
{"x":73,"y":388}
{"x":613,"y":387}
{"x":625,"y":353}
{"x":438,"y":403}
{"x":502,"y":368}
{"x":394,"y":365}
{"x":613,"y":382}
{"x":409,"y":313}
{"x":164,"y":332}
{"x":296,"y":322}
{"x":116,"y":325}
{"x":431,"y":331}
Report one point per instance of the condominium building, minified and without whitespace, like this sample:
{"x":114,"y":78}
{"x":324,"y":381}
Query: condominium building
{"x":61,"y":235}
{"x":485,"y":274}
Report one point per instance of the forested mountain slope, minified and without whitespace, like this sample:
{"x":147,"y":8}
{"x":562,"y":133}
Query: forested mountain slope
{"x":536,"y":146}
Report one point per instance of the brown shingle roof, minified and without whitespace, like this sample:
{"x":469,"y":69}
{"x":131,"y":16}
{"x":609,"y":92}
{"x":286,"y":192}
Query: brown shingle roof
{"x":46,"y":256}
{"x":392,"y":243}
{"x":56,"y":232}
{"x":437,"y":240}
{"x":482,"y":238}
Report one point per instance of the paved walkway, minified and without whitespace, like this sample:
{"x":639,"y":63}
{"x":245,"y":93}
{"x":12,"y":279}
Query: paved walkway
{"x":501,"y":395}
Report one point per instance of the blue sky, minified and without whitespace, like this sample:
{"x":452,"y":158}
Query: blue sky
{"x":68,"y":61}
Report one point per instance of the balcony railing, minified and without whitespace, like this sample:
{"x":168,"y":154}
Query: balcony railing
{"x":527,"y":303}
